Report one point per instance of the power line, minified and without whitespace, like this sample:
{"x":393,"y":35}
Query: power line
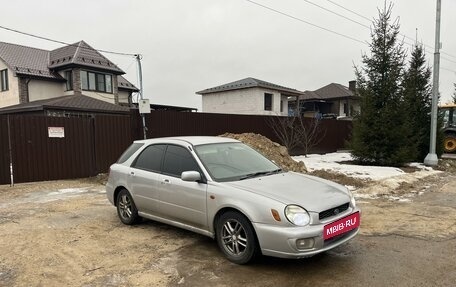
{"x":331,"y":31}
{"x":351,"y":11}
{"x":370,"y":20}
{"x":447,"y":69}
{"x":65,"y":43}
{"x":335,"y":13}
{"x":357,"y":22}
{"x":445,"y":58}
{"x":306,"y":22}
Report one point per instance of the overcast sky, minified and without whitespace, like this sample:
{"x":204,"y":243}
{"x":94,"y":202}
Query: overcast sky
{"x":197,"y":44}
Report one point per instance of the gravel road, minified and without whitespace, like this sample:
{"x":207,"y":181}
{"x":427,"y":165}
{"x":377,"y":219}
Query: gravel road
{"x":65,"y":233}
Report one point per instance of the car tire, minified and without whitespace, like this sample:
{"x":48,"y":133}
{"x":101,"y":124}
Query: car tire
{"x":449,"y":143}
{"x":126,"y":208}
{"x":236,"y":238}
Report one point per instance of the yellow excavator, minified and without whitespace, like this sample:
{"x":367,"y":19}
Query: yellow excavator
{"x":448,"y":111}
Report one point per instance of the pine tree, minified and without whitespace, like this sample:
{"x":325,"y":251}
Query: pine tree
{"x":379,"y":133}
{"x":417,"y":104}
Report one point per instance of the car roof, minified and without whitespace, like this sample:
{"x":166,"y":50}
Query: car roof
{"x":193,"y":140}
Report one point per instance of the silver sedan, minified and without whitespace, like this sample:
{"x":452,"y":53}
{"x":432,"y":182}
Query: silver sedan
{"x":224,"y":189}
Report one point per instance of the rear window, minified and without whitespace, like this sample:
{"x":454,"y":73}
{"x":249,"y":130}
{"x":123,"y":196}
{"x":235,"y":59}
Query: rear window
{"x":128,"y":153}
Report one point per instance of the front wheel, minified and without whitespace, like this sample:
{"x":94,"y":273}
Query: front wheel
{"x":236,"y":238}
{"x":126,"y":208}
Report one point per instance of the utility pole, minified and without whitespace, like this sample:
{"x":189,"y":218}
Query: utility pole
{"x":431,"y":159}
{"x":143,"y":116}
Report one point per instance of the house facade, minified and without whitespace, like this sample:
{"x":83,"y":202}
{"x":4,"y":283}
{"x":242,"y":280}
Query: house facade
{"x":247,"y":96}
{"x":29,"y":74}
{"x":333,"y":100}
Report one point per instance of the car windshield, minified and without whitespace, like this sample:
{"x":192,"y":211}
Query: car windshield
{"x":234,"y":161}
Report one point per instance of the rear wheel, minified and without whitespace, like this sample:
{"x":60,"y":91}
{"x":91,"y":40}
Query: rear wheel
{"x":126,"y":208}
{"x":449,"y":143}
{"x":236,"y":237}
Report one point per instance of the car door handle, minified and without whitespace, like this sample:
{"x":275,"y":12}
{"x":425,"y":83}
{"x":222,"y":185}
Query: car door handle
{"x":165,"y":181}
{"x":132,"y":174}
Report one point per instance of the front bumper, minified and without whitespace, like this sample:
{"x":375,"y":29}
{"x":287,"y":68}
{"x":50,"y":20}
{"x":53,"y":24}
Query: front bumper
{"x":280,"y":241}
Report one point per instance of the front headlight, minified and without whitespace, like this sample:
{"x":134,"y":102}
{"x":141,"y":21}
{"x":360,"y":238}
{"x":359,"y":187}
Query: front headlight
{"x":297,"y":215}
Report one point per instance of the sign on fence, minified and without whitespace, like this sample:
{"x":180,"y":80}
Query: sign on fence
{"x":56,"y":132}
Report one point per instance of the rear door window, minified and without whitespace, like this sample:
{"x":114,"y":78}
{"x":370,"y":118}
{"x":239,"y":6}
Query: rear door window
{"x":177,"y":160}
{"x":150,"y":158}
{"x":129,"y":152}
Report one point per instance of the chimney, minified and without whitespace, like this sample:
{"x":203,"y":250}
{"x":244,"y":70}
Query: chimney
{"x":352,"y":86}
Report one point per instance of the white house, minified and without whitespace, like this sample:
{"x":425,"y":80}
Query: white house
{"x":247,"y":96}
{"x":29,"y":74}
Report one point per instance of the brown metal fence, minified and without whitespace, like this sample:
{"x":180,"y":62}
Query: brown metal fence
{"x":334,"y":133}
{"x":4,"y":151}
{"x":113,"y":134}
{"x":91,"y":145}
{"x":168,"y":123}
{"x":36,"y":156}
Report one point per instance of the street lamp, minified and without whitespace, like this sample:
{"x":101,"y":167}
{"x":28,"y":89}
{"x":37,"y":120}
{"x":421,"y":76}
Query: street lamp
{"x":431,"y":159}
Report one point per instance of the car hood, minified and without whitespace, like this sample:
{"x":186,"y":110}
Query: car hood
{"x":312,"y":193}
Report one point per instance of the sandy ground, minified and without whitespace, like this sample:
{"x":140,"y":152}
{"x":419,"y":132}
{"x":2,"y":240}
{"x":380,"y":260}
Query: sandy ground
{"x":65,"y":233}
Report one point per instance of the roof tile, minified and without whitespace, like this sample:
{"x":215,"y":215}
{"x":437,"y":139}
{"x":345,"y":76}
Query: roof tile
{"x":83,"y":54}
{"x":83,"y":103}
{"x":248,"y":83}
{"x":27,"y":61}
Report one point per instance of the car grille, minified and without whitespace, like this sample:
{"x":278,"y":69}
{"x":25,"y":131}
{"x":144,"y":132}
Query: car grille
{"x":333,"y":211}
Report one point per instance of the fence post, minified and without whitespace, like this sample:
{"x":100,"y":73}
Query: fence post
{"x":10,"y":152}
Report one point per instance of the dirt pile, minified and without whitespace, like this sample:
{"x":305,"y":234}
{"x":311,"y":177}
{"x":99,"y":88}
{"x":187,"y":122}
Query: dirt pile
{"x":448,"y":165}
{"x":270,"y":149}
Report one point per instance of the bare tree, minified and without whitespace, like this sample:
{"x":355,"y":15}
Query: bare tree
{"x":311,"y":134}
{"x":297,"y":131}
{"x":284,"y":129}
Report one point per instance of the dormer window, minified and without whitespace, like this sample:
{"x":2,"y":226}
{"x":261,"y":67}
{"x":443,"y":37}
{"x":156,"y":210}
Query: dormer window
{"x":91,"y":81}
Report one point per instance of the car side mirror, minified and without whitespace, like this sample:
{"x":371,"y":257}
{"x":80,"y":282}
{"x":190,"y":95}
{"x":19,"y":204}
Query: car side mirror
{"x":191,"y":176}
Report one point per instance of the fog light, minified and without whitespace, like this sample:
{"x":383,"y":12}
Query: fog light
{"x":304,"y":243}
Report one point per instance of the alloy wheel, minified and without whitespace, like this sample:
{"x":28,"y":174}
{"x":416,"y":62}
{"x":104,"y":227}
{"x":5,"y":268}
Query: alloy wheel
{"x":125,"y":206}
{"x":234,"y":237}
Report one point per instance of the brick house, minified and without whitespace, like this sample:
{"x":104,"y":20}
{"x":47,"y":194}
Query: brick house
{"x":248,"y":96}
{"x":29,"y":74}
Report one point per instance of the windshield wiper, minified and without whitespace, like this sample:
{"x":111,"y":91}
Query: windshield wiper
{"x":259,"y":173}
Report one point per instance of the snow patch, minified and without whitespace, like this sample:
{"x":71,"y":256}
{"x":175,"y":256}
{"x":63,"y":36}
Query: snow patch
{"x":337,"y":162}
{"x":388,"y":180}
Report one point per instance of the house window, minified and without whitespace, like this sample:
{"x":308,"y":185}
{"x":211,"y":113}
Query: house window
{"x":101,"y":84}
{"x":345,"y":109}
{"x":4,"y":80}
{"x":68,"y":75}
{"x":267,"y":102}
{"x":91,"y":81}
{"x":281,"y":106}
{"x":108,"y":83}
{"x":84,"y":80}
